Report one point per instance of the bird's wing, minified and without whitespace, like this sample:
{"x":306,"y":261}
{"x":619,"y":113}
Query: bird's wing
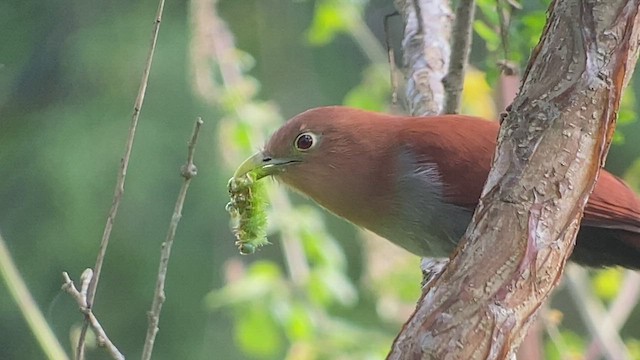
{"x":462,"y":148}
{"x":612,"y":205}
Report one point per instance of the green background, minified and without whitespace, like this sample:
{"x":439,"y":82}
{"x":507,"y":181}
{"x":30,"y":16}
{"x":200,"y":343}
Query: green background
{"x":69,"y":73}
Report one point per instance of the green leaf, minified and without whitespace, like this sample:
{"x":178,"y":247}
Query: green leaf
{"x":263,"y":279}
{"x":257,"y":333}
{"x":299,"y":325}
{"x":328,"y":21}
{"x":633,"y":345}
{"x":490,"y":36}
{"x":374,"y":92}
{"x":627,"y":114}
{"x":533,"y":24}
{"x":488,"y":9}
{"x":606,"y":283}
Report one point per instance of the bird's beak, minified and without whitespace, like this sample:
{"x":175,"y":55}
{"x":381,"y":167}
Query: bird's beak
{"x":263,"y":165}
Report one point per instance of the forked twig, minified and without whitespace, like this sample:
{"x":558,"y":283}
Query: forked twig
{"x":80,"y":296}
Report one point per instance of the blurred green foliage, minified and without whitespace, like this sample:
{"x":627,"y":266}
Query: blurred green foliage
{"x":568,"y":345}
{"x":69,"y":72}
{"x":606,"y":283}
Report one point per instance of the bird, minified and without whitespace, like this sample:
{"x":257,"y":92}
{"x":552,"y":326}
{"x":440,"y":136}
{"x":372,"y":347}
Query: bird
{"x":417,"y":180}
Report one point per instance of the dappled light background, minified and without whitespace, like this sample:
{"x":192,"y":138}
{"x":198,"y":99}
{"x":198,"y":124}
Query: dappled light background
{"x":69,"y":74}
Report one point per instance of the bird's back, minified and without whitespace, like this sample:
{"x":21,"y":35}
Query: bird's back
{"x":462,"y":147}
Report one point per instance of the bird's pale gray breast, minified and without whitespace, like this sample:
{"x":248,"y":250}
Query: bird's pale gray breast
{"x":422,"y":221}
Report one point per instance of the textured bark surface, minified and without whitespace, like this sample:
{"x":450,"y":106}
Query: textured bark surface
{"x":460,"y":49}
{"x":553,"y":142}
{"x":426,"y":53}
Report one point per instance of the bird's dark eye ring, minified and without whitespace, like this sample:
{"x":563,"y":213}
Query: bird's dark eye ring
{"x":305,"y":141}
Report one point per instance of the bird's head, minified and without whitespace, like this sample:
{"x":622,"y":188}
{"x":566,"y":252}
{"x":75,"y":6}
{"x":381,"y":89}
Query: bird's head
{"x":333,"y":155}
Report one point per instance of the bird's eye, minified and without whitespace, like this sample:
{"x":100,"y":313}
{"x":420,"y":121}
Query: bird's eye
{"x":305,"y":141}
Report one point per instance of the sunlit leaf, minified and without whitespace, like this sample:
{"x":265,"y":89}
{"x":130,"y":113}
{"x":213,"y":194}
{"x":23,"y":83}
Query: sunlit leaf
{"x":533,"y":24}
{"x":263,"y":278}
{"x":606,"y":283}
{"x":488,"y":10}
{"x":257,"y":334}
{"x":328,"y":21}
{"x":489,"y":35}
{"x":477,"y":95}
{"x":299,"y":325}
{"x":626,"y":113}
{"x":633,"y":346}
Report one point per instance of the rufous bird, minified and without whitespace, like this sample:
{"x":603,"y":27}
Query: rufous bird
{"x":417,"y":180}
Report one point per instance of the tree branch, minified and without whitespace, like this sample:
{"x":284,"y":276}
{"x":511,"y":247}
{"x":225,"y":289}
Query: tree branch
{"x":122,"y":173}
{"x":188,"y":171}
{"x":426,"y":53}
{"x":460,"y":49}
{"x":81,"y":299}
{"x":552,"y":145}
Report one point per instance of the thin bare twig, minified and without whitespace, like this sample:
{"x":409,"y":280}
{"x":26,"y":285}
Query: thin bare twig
{"x":460,"y":49}
{"x":365,"y":39}
{"x":28,"y":307}
{"x":188,"y":171}
{"x":592,"y":312}
{"x":122,"y":172}
{"x":391,"y":58}
{"x":81,"y":299}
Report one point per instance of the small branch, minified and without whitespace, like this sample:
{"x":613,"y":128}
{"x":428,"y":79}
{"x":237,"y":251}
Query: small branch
{"x":364,"y":37}
{"x":391,"y":59}
{"x":28,"y":307}
{"x":620,"y":309}
{"x":426,"y":53}
{"x":188,"y":171}
{"x":119,"y":190}
{"x":594,"y":315}
{"x":508,"y":87}
{"x":81,"y":299}
{"x":460,"y":48}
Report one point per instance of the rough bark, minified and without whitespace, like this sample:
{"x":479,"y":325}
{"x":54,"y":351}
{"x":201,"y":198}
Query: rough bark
{"x":460,"y":49}
{"x":553,"y":142}
{"x":426,"y":53}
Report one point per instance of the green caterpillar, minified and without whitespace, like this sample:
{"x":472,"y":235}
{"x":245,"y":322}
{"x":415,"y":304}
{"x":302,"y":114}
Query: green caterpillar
{"x":248,"y":212}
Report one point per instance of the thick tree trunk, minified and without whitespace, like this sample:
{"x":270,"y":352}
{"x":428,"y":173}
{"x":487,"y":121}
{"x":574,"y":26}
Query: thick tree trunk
{"x":553,"y":142}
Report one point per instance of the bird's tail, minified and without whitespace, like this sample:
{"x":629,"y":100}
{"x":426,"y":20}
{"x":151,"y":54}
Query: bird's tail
{"x":602,"y":247}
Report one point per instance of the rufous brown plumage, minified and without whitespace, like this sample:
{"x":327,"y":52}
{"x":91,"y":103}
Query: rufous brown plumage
{"x":416,"y":180}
